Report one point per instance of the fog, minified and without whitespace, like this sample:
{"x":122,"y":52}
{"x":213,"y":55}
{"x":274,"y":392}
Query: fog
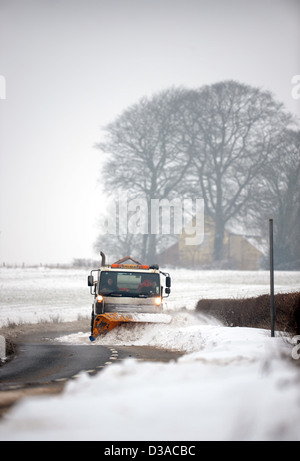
{"x":72,"y":66}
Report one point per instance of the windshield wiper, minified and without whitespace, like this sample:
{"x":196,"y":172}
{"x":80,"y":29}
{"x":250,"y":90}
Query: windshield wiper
{"x":127,"y":294}
{"x":112,"y":293}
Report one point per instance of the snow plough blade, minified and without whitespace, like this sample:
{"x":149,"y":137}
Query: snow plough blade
{"x":104,"y":323}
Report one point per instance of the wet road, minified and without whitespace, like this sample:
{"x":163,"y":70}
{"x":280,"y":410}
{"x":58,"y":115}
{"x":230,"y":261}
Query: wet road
{"x":41,"y":361}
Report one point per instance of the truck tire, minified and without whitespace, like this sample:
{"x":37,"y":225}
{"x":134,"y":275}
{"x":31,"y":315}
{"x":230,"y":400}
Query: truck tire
{"x":99,"y":308}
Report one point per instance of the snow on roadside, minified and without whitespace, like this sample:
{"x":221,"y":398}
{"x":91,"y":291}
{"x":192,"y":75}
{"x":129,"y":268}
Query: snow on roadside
{"x":181,"y":334}
{"x":232,"y":385}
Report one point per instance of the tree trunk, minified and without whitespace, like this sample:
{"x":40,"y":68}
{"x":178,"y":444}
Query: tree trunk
{"x":144,"y":248}
{"x":151,"y":256}
{"x":218,"y":240}
{"x":219,"y":221}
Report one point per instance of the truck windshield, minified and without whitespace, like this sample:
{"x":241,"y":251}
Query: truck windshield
{"x":129,"y":284}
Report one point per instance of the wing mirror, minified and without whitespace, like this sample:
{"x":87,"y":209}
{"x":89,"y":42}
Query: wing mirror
{"x":90,"y":281}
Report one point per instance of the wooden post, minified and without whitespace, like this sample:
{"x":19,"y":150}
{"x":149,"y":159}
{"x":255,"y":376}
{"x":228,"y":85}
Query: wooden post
{"x":272,"y":309}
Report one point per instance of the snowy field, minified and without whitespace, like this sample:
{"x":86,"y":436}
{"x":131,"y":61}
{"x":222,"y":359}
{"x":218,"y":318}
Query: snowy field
{"x":230,"y":384}
{"x":35,"y":295}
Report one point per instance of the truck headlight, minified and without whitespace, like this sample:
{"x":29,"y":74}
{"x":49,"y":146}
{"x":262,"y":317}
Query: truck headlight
{"x":157,"y":301}
{"x":99,"y":298}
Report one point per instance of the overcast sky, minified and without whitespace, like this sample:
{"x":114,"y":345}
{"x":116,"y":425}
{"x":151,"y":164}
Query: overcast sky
{"x":71,"y":66}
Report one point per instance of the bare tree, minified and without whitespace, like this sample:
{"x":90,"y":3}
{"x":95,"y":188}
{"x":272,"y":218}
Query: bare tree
{"x":229,"y":133}
{"x":222,"y":142}
{"x":145,"y":154}
{"x":278,"y":186}
{"x":117,"y":246}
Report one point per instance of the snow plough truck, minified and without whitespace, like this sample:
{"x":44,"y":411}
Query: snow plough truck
{"x":127,"y":292}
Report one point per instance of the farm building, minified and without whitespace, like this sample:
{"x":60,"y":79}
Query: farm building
{"x":240,"y":252}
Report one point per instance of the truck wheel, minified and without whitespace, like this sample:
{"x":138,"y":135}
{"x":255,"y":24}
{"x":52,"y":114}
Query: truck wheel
{"x":92,"y":322}
{"x":99,"y":308}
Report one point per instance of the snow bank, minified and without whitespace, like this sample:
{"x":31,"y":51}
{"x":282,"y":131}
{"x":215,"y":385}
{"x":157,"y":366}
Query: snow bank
{"x":233,"y":386}
{"x":181,"y":334}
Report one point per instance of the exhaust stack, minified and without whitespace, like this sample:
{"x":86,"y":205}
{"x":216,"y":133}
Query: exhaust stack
{"x":103,"y":258}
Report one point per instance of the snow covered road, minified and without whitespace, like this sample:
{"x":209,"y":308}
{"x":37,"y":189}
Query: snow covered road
{"x":231,"y":383}
{"x":234,"y":385}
